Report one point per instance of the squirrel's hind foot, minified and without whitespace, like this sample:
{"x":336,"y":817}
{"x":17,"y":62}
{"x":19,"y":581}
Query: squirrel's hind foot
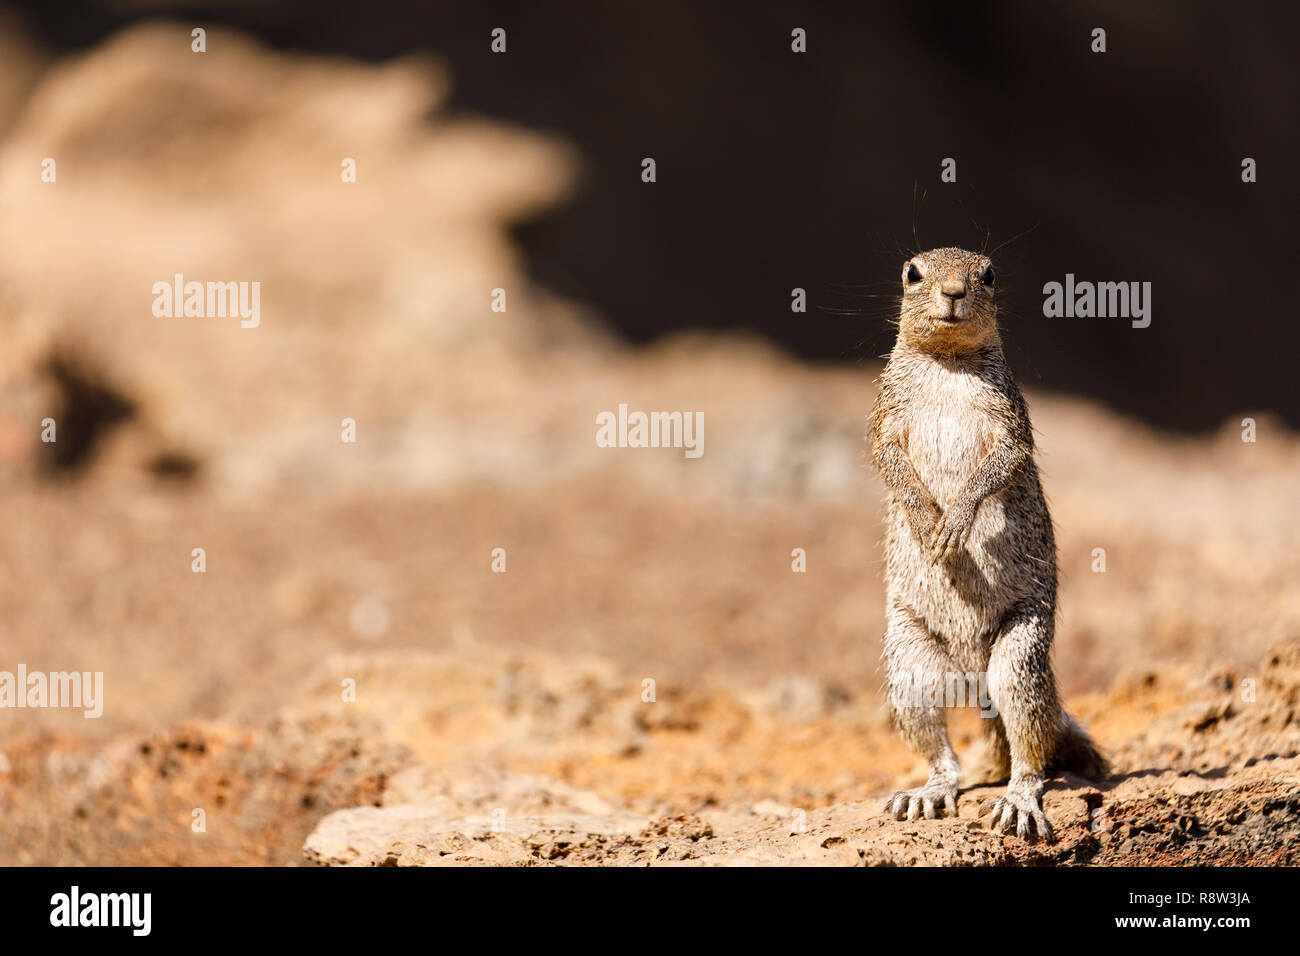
{"x":1020,"y":809}
{"x":932,"y":801}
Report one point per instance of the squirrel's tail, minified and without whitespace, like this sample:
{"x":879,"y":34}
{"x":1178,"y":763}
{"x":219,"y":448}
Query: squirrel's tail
{"x":1076,"y":752}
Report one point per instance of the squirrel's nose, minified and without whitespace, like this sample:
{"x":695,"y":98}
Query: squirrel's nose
{"x":953,"y":288}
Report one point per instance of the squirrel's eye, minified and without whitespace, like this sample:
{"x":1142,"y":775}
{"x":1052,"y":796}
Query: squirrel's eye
{"x":988,"y":276}
{"x":913,"y":274}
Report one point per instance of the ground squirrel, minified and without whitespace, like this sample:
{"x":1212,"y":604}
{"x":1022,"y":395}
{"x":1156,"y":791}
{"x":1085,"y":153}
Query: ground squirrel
{"x":970,"y":556}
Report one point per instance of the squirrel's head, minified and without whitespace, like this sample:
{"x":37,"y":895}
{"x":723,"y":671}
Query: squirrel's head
{"x":948,"y":301}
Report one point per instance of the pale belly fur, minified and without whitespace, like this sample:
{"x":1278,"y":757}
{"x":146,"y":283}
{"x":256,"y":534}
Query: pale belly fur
{"x":964,"y":598}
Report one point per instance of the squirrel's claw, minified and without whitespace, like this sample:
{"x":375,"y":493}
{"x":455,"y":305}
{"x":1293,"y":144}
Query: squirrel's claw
{"x":948,"y":538}
{"x":1019,"y":811}
{"x":933,"y":802}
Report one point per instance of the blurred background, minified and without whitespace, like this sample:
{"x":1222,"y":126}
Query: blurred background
{"x":779,"y":170}
{"x":371,"y":561}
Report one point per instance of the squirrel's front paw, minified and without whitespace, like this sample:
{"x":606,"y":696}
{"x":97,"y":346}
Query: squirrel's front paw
{"x":924,"y":519}
{"x":1021,"y":809}
{"x":951,"y":531}
{"x":931,"y":801}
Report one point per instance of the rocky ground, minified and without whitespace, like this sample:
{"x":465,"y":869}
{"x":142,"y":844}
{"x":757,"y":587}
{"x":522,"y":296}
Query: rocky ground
{"x":649,"y":681}
{"x":493,"y":758}
{"x":1192,"y":788}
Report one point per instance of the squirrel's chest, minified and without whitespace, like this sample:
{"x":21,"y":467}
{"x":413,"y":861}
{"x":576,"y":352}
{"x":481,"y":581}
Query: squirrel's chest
{"x":948,"y":427}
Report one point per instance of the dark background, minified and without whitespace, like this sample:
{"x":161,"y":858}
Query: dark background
{"x":778,"y":170}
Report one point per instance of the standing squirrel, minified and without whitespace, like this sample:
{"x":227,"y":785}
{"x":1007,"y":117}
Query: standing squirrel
{"x":970,"y":558}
